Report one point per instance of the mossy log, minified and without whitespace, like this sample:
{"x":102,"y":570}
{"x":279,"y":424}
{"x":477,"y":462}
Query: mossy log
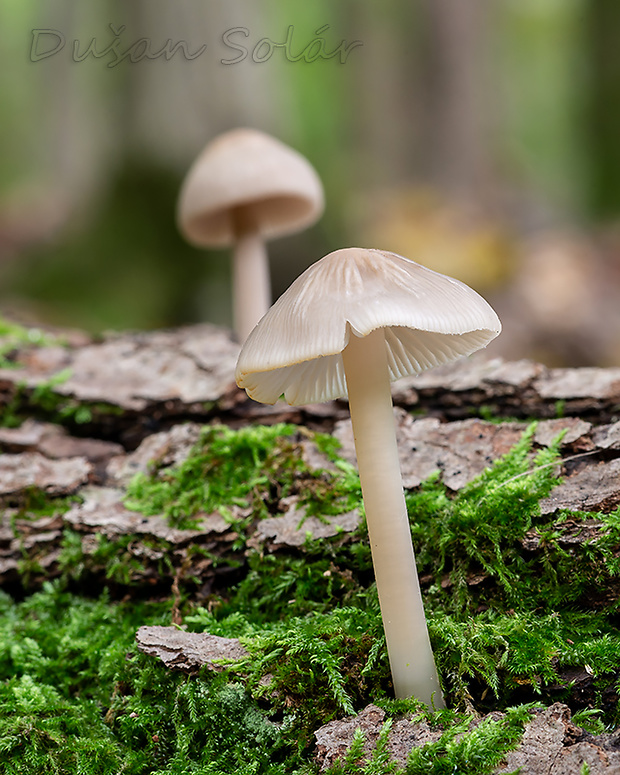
{"x":89,"y":426}
{"x":136,"y":402}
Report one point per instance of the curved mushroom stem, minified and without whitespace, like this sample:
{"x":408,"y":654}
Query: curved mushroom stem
{"x":370,"y":402}
{"x":251,"y":283}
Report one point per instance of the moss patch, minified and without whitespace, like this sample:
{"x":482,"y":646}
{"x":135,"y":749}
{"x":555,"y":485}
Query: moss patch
{"x":14,"y":337}
{"x":253,"y":468}
{"x":509,"y":625}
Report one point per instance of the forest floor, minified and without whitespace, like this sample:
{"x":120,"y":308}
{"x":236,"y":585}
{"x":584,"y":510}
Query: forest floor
{"x":187,"y":583}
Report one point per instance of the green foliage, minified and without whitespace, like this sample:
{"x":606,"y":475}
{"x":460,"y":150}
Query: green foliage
{"x":79,"y":693}
{"x":253,"y":469}
{"x":479,"y":532}
{"x":315,"y":667}
{"x":485,"y":519}
{"x":503,"y":654}
{"x":249,"y":467}
{"x":77,"y":696}
{"x":277,"y":585}
{"x":324,"y":665}
{"x":476,"y":751}
{"x":225,"y":468}
{"x":56,"y":653}
{"x":587,"y":719}
{"x":113,"y":556}
{"x":43,"y":401}
{"x":13,"y":337}
{"x":64,"y":409}
{"x":32,"y":504}
{"x":357,"y":762}
{"x":465,"y":747}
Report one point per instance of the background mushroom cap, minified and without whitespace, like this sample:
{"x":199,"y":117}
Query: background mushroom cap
{"x":247,"y":168}
{"x":295,"y":350}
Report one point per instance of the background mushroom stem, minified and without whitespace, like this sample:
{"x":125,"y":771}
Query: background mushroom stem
{"x":370,"y":402}
{"x":251,"y":281}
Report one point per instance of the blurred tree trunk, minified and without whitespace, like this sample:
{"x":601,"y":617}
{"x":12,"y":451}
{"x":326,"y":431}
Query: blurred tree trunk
{"x":603,"y":108}
{"x":459,"y":96}
{"x":388,"y":97}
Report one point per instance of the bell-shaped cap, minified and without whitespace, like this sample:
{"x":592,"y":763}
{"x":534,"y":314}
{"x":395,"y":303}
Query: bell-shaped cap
{"x":277,"y":187}
{"x":428,"y":318}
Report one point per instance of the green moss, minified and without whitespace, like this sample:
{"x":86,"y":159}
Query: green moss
{"x":225,"y":468}
{"x":280,"y":585}
{"x":472,"y":545}
{"x":476,"y":751}
{"x":358,"y":762}
{"x":503,"y":657}
{"x":77,"y":697}
{"x":108,"y":557}
{"x":14,"y":337}
{"x":58,"y":657}
{"x":44,"y":402}
{"x":324,"y":665}
{"x":507,"y":625}
{"x":492,"y":413}
{"x":479,"y":751}
{"x":32,"y":503}
{"x":251,"y":468}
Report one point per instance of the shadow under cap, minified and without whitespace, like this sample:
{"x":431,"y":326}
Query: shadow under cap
{"x":429,"y":319}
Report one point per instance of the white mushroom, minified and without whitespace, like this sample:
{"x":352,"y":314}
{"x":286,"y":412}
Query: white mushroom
{"x":243,"y":188}
{"x":350,"y":324}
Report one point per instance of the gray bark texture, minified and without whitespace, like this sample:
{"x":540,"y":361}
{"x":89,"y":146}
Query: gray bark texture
{"x":551,"y":744}
{"x":148,"y":394}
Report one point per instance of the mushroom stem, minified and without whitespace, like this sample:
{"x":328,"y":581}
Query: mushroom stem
{"x":370,"y":403}
{"x":251,"y":283}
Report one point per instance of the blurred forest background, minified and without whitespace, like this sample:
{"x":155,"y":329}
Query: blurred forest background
{"x":480,"y":138}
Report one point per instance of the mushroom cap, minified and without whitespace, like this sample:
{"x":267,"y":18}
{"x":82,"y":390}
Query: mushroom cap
{"x":295,"y":350}
{"x":245,"y":168}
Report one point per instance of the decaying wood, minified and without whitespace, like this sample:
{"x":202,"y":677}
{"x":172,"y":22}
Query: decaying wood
{"x":294,"y":528}
{"x":100,"y":513}
{"x":102,"y":509}
{"x":520,"y":389}
{"x":19,"y":473}
{"x":133,"y":371}
{"x":593,"y":487}
{"x":189,"y":651}
{"x":54,"y":441}
{"x":458,"y":450}
{"x":166,"y":448}
{"x":164,"y":385}
{"x":551,"y":745}
{"x":151,"y":378}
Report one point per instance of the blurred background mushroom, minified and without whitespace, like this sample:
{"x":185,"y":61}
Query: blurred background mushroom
{"x":479,"y":139}
{"x":243,"y":189}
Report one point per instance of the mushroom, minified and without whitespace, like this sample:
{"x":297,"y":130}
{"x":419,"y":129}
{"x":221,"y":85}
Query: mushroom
{"x":243,"y":188}
{"x":351,"y":323}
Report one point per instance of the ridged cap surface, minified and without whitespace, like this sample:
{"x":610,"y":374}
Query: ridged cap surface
{"x":295,"y":350}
